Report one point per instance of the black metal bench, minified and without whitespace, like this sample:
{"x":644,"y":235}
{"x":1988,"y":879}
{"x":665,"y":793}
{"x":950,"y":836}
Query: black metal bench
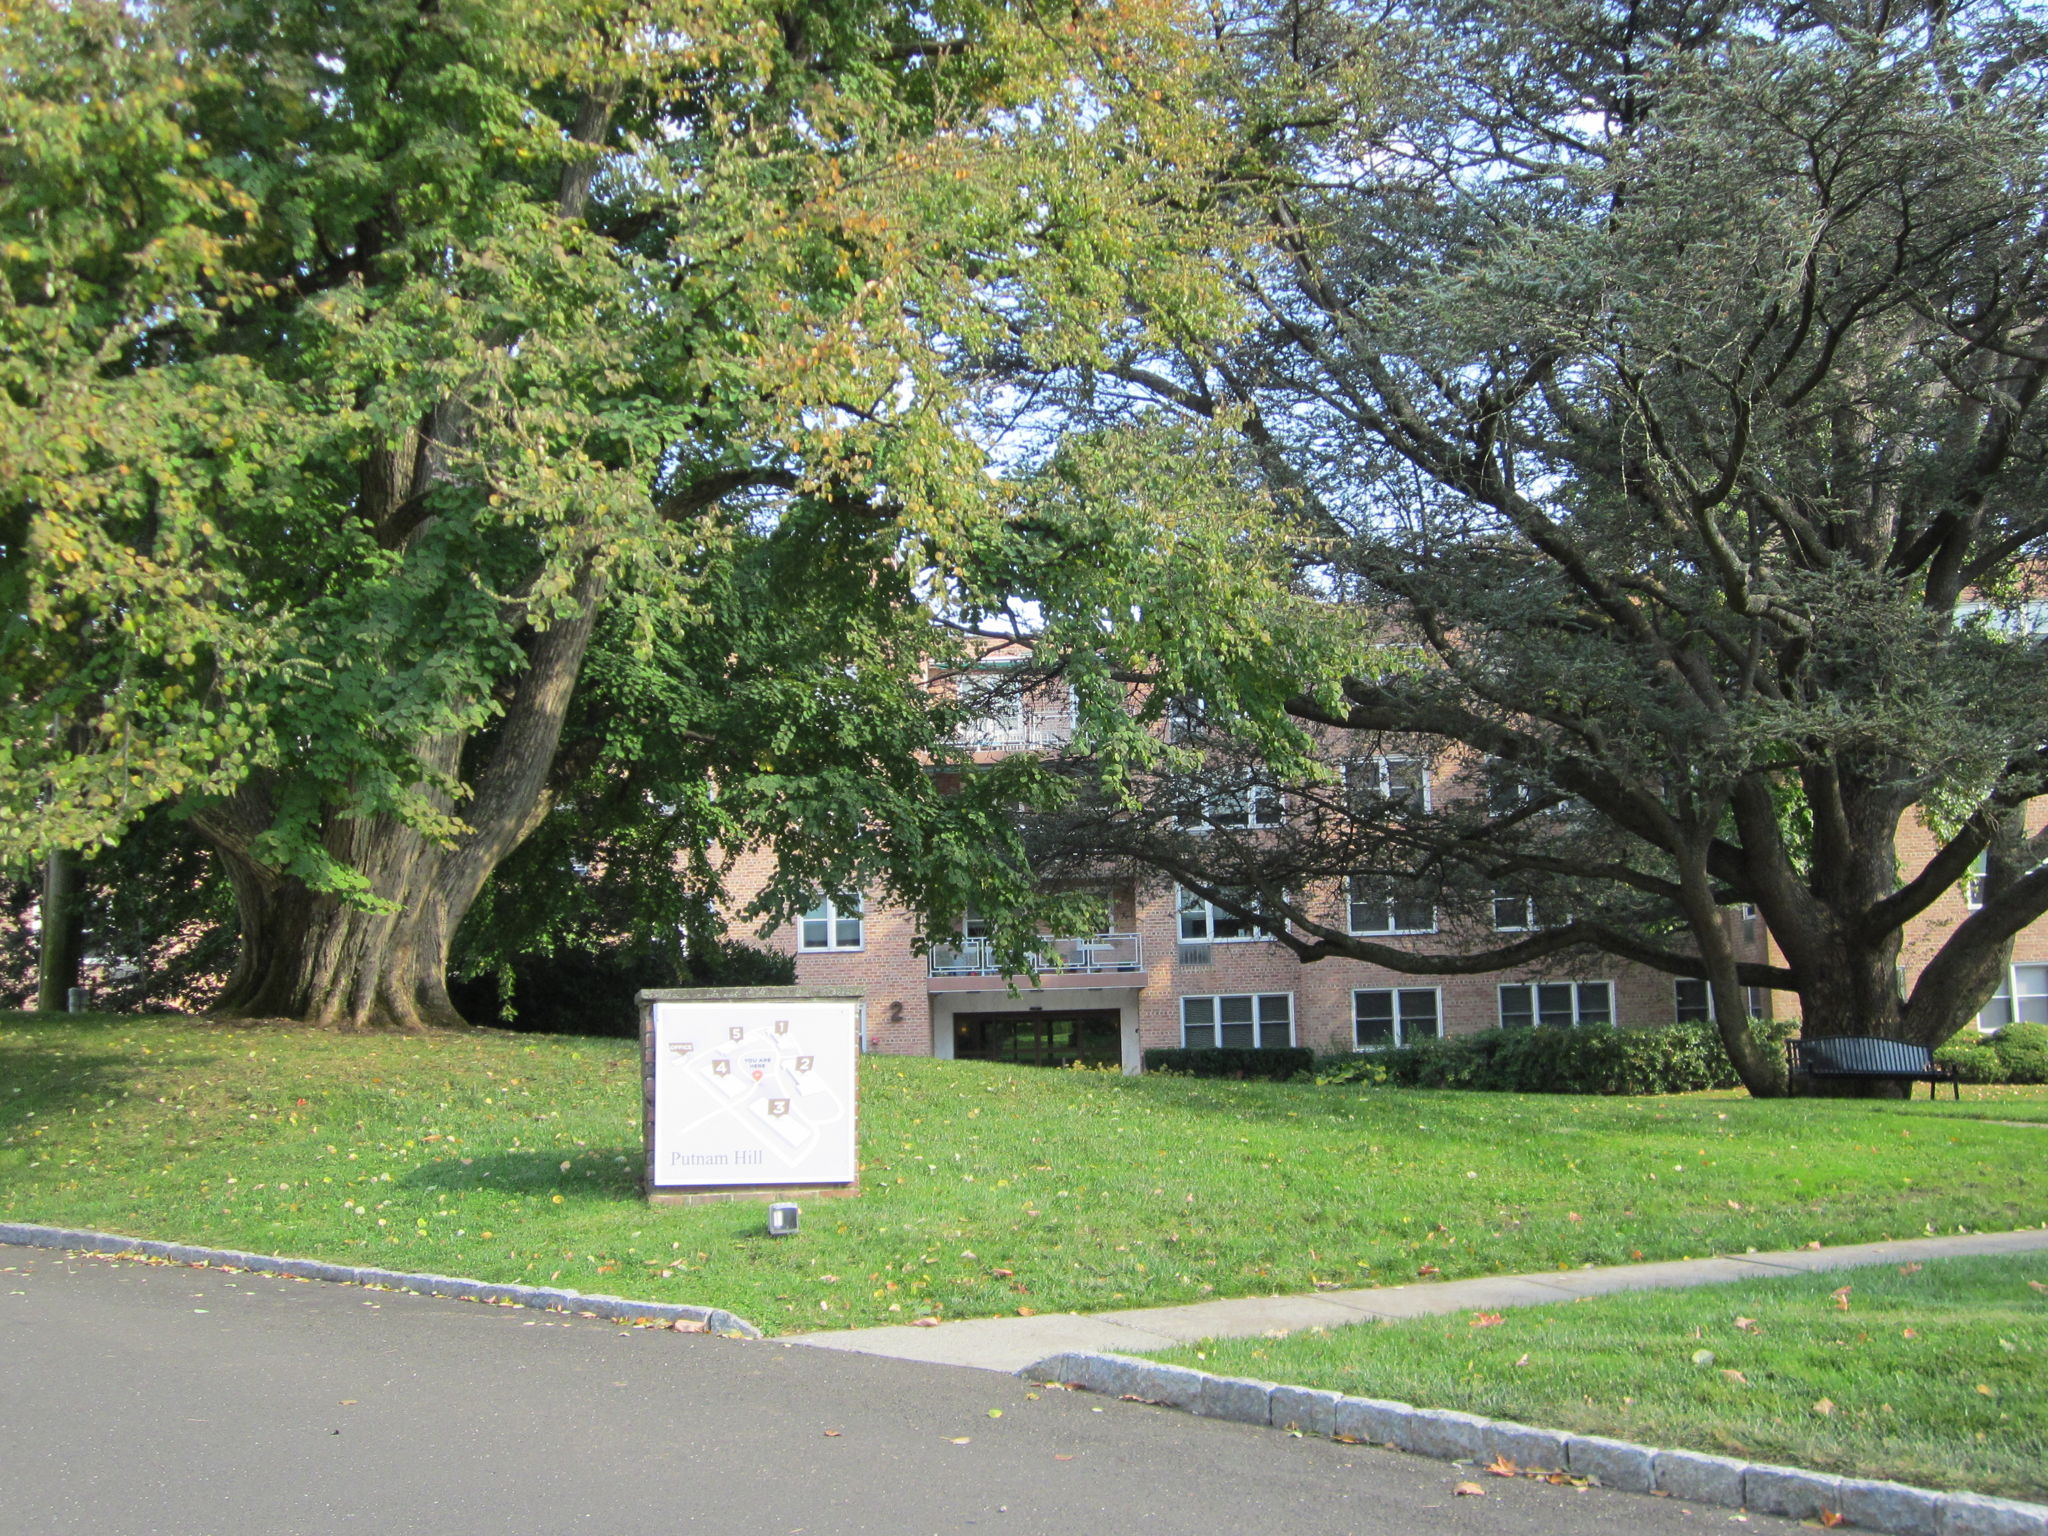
{"x":1868,"y":1056}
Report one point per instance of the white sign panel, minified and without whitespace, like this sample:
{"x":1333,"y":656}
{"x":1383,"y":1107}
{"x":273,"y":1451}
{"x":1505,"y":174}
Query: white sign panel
{"x":752,"y":1091}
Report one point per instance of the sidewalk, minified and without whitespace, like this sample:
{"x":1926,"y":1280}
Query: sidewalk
{"x":1011,"y":1343}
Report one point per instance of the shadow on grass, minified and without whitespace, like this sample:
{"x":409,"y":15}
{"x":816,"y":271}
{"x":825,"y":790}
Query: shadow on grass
{"x":40,"y":1083}
{"x":594,"y":1175}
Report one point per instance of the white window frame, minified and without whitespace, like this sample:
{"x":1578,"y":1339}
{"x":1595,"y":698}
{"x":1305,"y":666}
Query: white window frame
{"x":1243,"y":808}
{"x":1373,"y":777}
{"x":1973,"y":883}
{"x":2008,"y":1004}
{"x":1536,"y":1001}
{"x":1398,"y":999}
{"x":834,"y":915}
{"x":1187,"y":904}
{"x":1216,"y":1024}
{"x":1390,"y":910}
{"x":1528,"y":924}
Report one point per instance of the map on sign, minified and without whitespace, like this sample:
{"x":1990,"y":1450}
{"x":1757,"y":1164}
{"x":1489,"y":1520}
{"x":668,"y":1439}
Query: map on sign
{"x":753,"y":1091}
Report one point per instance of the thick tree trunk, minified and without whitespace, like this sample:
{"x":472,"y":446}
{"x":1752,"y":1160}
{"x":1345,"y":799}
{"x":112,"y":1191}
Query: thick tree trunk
{"x":1761,"y":1071}
{"x":382,"y":964}
{"x":60,"y":947}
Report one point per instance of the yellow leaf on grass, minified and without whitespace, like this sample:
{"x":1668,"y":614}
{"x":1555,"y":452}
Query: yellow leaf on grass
{"x":1824,"y":1407}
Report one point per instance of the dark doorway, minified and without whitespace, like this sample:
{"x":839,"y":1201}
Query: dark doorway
{"x":1090,"y":1037}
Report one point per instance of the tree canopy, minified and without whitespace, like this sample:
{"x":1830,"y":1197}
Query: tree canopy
{"x":1649,"y":394}
{"x":414,"y":413}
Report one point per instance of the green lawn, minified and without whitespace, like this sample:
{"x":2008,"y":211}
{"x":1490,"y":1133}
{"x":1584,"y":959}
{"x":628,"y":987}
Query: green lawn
{"x":986,"y":1189}
{"x":1932,"y":1374}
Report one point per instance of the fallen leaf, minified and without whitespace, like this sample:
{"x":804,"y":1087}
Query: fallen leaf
{"x":1058,"y":1457}
{"x":348,"y":1402}
{"x":995,"y":1413}
{"x":690,"y":1325}
{"x":1841,"y":1298}
{"x":963,"y":1439}
{"x":1734,"y":1205}
{"x":1911,"y":1269}
{"x":1814,"y":1244}
{"x":1736,"y":1376}
{"x":832,"y":1434}
{"x":1908,"y":1333}
{"x":1523,"y":1361}
{"x":1486,"y":1319}
{"x":924,"y":1322}
{"x":1824,"y":1407}
{"x":1027,"y":1311}
{"x":1501,"y":1466}
{"x":1573,"y":1216}
{"x":2037,"y":1285}
{"x":1985,"y":1390}
{"x":1830,"y":1519}
{"x":1429,"y":1269}
{"x":1703,"y":1357}
{"x":1747,"y":1325}
{"x":1002,"y":1274}
{"x":1469,"y":1491}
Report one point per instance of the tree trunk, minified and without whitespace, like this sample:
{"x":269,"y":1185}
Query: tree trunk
{"x":60,"y":948}
{"x":382,"y":963}
{"x":1760,"y":1069}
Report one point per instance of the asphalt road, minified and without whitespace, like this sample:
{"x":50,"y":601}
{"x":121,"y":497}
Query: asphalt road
{"x":145,"y":1398}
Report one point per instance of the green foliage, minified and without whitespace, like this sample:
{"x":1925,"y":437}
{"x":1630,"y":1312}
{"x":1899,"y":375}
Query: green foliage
{"x":2016,"y":1054}
{"x":2023,"y":1052}
{"x":1279,"y":1065}
{"x":591,"y":991}
{"x":1593,"y":1058}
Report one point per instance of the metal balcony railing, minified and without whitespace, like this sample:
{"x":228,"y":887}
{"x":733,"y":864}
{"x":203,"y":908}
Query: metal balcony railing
{"x":1090,"y":955}
{"x":1030,"y":732}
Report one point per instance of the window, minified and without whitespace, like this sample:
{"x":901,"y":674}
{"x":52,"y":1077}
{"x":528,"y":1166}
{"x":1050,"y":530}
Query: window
{"x":2022,"y":998}
{"x":1402,"y":780}
{"x":1243,"y":807}
{"x":1514,"y":911}
{"x":1203,"y":922}
{"x":1556,"y":1004}
{"x":1377,"y":912}
{"x":1973,"y":882}
{"x":834,"y":923}
{"x":1264,"y":1021}
{"x":995,"y":705}
{"x":1383,"y":1016}
{"x":1693,"y":999}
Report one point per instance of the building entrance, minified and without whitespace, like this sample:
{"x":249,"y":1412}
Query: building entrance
{"x":1089,"y":1037}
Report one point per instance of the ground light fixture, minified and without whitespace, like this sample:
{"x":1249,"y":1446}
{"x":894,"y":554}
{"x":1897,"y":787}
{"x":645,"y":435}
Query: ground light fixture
{"x":782,"y":1219}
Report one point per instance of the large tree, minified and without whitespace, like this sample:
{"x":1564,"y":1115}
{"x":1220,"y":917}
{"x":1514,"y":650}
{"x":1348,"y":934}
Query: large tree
{"x":1651,"y":391}
{"x":363,"y":366}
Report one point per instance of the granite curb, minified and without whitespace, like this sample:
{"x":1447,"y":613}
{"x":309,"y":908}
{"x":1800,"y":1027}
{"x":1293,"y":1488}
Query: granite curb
{"x":543,"y":1298}
{"x":1892,"y":1508}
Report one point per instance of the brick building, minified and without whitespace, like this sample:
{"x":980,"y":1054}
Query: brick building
{"x":1170,"y":970}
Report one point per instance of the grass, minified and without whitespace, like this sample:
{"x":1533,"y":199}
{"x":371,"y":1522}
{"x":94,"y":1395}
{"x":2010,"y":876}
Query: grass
{"x":986,"y":1189}
{"x":1932,"y":1374}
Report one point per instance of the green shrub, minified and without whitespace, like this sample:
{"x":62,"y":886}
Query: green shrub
{"x":1229,"y":1061}
{"x":2022,"y":1051}
{"x":1974,"y":1058}
{"x":1593,"y":1058}
{"x":590,"y":992}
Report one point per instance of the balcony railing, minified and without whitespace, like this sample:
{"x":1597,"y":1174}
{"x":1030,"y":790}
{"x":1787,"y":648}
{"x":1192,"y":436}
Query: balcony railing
{"x":1030,"y":732}
{"x":1094,"y":954}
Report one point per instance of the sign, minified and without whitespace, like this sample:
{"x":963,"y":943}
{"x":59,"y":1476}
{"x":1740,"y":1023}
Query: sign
{"x":750,"y":1089}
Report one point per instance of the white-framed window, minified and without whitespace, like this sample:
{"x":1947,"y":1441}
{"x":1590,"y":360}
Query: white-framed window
{"x":1369,"y":911}
{"x":1261,"y":1020}
{"x":1973,"y":883}
{"x":1203,"y":922}
{"x":1241,"y":807}
{"x":1758,"y":1001}
{"x":2022,"y":998}
{"x":1555,"y":1004}
{"x":1692,"y":1000}
{"x":1514,"y":910}
{"x":834,"y":923}
{"x":1382,"y":1016}
{"x":1403,"y":780}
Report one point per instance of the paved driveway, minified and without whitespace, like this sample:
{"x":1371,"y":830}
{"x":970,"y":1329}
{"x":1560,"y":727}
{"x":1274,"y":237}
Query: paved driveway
{"x":141,"y":1398}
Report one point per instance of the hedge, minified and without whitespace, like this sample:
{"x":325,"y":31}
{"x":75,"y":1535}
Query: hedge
{"x":1232,"y":1061}
{"x":1591,"y":1058}
{"x":2016,"y":1054}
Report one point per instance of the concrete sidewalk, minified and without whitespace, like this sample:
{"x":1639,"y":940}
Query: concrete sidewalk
{"x":1011,"y":1343}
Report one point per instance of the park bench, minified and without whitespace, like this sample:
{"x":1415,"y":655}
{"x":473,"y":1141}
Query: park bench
{"x":1867,"y":1056}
